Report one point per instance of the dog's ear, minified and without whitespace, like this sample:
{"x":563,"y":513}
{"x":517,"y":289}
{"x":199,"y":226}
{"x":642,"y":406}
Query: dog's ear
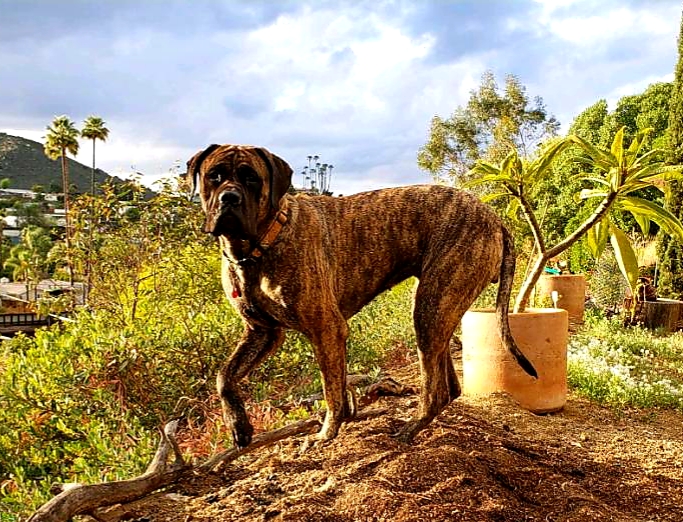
{"x":196,"y":162}
{"x":280,"y":175}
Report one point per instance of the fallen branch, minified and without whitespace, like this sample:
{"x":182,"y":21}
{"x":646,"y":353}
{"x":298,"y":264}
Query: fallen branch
{"x":80,"y":499}
{"x":271,"y":437}
{"x":264,"y":439}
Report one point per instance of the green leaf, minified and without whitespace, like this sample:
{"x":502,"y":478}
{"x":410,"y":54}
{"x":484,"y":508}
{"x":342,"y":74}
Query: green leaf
{"x":634,"y":186}
{"x":596,"y":158}
{"x":482,"y":167}
{"x":512,"y":208}
{"x":626,"y":257}
{"x":489,"y":179}
{"x":596,"y":238}
{"x":666,"y":173}
{"x":537,"y":168}
{"x":644,"y":223}
{"x":592,"y":179}
{"x":509,"y":164}
{"x":617,"y":149}
{"x":487,"y":198}
{"x":665,"y":219}
{"x":592,"y":193}
{"x":648,"y":158}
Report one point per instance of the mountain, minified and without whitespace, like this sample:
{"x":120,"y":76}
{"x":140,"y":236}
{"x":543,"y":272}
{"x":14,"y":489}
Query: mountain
{"x":24,"y":163}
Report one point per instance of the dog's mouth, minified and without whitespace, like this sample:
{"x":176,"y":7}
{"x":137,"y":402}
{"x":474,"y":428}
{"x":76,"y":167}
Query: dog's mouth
{"x":227,"y":221}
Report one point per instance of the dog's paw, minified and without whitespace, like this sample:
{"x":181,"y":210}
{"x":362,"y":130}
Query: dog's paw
{"x":241,"y":439}
{"x":408,"y":432}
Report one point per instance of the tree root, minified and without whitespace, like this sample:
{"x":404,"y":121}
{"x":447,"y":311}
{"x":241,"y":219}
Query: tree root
{"x":81,"y":499}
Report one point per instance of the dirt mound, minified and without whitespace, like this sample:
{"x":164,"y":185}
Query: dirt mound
{"x":481,"y":460}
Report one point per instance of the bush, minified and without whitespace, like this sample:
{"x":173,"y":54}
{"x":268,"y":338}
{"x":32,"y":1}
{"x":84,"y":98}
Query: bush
{"x":82,"y":402}
{"x":627,"y":366}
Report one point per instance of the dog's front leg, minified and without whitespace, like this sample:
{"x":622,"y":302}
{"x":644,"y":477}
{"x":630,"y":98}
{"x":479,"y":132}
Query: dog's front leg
{"x":330,"y":353}
{"x":256,"y":344}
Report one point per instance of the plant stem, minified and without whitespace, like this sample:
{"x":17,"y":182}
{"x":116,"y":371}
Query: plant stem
{"x":544,"y":255}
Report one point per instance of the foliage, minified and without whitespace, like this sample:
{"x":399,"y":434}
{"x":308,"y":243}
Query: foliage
{"x":94,"y":129}
{"x":62,"y":138}
{"x":626,"y":366}
{"x":81,"y":402}
{"x":671,"y":250}
{"x":28,"y":260}
{"x":59,"y":421}
{"x":598,"y":126}
{"x":486,"y":128}
{"x":625,"y":171}
{"x":614,"y":175}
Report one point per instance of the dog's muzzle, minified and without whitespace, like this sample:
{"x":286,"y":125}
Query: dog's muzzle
{"x":227,"y":216}
{"x":230,"y":199}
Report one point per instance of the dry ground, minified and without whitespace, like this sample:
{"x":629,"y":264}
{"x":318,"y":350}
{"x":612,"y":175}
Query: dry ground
{"x":481,"y":460}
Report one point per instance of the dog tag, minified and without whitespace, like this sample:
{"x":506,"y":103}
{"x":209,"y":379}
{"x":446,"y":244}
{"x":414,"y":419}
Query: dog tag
{"x":236,"y":293}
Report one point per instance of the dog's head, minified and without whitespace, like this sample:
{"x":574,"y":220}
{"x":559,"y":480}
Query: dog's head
{"x":239,"y":186}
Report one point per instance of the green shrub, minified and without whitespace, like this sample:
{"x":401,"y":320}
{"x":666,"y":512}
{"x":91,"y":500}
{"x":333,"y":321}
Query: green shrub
{"x":81,"y":403}
{"x":627,"y":366}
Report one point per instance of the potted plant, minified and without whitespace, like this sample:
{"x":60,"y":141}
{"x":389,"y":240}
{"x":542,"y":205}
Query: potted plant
{"x":613,"y":178}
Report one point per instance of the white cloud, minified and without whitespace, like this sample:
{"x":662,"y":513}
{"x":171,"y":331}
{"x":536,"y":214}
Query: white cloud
{"x":354,"y":82}
{"x":635,"y":87}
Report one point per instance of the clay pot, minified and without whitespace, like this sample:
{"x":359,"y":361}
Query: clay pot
{"x":571,"y":290}
{"x":541,"y":334}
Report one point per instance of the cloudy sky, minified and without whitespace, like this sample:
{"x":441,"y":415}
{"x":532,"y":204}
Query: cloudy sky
{"x":356,"y":82}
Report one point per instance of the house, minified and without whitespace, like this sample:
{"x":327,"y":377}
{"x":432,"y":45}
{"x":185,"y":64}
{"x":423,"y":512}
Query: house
{"x":20,"y":298}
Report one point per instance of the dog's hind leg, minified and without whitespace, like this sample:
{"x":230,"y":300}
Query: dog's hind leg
{"x":256,"y":344}
{"x":439,"y":305}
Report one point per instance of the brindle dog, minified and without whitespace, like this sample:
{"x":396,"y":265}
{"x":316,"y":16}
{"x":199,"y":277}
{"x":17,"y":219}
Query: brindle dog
{"x":309,"y":263}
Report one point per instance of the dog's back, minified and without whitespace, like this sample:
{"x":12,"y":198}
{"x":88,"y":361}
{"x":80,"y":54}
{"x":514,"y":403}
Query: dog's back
{"x":374,"y":240}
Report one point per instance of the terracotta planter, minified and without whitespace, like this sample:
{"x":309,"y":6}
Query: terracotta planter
{"x":541,"y":334}
{"x":571,"y":290}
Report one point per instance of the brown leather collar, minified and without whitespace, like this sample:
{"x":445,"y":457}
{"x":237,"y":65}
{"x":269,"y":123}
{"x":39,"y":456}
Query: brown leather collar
{"x":268,"y":238}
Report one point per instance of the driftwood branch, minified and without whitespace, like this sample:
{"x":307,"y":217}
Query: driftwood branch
{"x":79,"y":499}
{"x":264,"y":439}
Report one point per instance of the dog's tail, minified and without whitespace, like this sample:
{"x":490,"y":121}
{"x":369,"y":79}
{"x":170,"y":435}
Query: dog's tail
{"x":507,"y":275}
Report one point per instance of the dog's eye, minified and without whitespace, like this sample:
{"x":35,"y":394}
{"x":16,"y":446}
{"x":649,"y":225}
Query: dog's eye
{"x":215,"y":176}
{"x":248,"y":176}
{"x":252,"y":179}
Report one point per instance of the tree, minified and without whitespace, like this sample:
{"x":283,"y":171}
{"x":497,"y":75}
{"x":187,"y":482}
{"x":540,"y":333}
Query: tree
{"x":28,"y":259}
{"x":94,"y":129}
{"x":486,"y":128}
{"x":671,"y":250}
{"x":599,"y":126}
{"x":615,"y":174}
{"x":62,"y":138}
{"x":31,"y":214}
{"x":316,"y":177}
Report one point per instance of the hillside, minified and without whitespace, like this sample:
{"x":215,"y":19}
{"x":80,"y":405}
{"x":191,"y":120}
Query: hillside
{"x":481,"y":460}
{"x":25,"y":164}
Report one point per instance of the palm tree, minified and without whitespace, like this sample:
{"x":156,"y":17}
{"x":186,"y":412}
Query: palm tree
{"x":62,"y":137}
{"x":94,"y":129}
{"x":27,"y":259}
{"x":617,"y":173}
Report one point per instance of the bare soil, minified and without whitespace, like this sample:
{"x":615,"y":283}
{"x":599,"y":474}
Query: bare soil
{"x":480,"y":460}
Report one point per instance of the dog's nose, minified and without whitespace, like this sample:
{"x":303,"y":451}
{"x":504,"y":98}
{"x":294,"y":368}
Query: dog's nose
{"x":231,"y":198}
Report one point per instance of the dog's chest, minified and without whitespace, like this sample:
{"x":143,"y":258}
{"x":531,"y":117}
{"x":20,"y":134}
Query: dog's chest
{"x":258,"y":298}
